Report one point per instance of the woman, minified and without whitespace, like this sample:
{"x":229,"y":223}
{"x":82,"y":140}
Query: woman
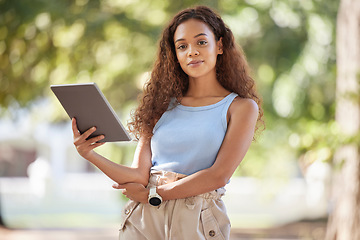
{"x":195,"y":122}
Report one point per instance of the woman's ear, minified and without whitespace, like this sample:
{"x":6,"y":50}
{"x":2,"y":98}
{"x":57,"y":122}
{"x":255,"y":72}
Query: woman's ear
{"x":219,"y":46}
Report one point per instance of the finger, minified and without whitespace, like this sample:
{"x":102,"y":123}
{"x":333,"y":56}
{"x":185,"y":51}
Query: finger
{"x":116,"y":186}
{"x":94,"y":139}
{"x":98,"y":138}
{"x":88,"y":132}
{"x":74,"y":128}
{"x":82,"y":139}
{"x":119,"y":186}
{"x":86,"y":146}
{"x":95,"y":145}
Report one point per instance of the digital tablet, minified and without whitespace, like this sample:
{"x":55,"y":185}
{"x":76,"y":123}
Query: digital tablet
{"x":89,"y":106}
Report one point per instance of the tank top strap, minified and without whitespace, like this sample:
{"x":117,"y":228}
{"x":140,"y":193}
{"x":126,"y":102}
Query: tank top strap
{"x":229,"y":100}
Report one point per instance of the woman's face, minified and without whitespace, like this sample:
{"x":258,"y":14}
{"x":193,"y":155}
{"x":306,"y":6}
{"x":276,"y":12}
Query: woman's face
{"x":196,"y":48}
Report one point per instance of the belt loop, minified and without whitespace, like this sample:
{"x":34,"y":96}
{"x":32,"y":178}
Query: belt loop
{"x":190,"y":203}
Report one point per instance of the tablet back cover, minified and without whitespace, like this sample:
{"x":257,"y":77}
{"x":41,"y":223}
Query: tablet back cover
{"x":89,"y":106}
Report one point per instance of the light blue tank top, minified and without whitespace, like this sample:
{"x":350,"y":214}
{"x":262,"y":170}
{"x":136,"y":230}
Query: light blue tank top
{"x":187,"y":139}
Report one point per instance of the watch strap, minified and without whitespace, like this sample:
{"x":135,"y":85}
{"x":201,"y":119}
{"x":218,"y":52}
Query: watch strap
{"x":152,"y":191}
{"x":154,"y":198}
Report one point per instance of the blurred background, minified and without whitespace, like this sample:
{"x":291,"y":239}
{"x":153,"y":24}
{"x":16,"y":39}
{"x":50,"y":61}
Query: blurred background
{"x":283,"y":186}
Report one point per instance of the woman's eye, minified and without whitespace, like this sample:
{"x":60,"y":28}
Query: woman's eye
{"x":181,"y":47}
{"x":202,"y":42}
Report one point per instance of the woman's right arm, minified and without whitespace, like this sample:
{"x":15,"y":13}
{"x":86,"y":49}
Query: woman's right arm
{"x":139,"y":171}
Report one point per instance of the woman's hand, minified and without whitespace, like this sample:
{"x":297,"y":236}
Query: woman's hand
{"x":83,"y":146}
{"x":134,"y":191}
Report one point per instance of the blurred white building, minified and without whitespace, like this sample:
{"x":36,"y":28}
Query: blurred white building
{"x":44,"y":183}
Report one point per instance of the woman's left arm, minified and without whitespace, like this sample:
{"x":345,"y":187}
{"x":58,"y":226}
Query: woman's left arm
{"x":242,"y":115}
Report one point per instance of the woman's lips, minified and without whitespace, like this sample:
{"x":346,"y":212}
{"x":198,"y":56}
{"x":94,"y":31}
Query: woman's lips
{"x":195,"y":63}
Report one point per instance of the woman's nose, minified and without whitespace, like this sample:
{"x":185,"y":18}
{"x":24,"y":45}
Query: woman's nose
{"x":192,"y":51}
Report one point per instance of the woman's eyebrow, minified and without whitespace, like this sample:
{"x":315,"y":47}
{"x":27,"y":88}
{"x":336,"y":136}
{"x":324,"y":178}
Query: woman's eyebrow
{"x":200,"y":34}
{"x":197,"y":35}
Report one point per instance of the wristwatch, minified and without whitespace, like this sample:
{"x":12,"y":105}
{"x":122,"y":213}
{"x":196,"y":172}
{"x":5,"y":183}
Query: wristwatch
{"x":154,"y":198}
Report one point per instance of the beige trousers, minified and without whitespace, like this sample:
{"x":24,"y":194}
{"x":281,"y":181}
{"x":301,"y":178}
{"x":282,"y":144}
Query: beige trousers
{"x":202,"y":217}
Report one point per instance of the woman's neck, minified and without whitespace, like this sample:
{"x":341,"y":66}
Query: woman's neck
{"x":205,"y":87}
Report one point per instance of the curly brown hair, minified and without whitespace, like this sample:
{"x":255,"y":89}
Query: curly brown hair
{"x":168,"y":80}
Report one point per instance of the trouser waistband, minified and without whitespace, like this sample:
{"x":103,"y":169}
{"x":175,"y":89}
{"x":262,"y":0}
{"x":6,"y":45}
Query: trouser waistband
{"x":158,"y":178}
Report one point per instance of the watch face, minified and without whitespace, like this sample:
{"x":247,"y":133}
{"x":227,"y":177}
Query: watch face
{"x":155,"y":201}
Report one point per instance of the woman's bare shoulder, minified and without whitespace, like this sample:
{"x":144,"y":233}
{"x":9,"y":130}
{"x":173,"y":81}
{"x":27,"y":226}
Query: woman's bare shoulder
{"x":244,"y":107}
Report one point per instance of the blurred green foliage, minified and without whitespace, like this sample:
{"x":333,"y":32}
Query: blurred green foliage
{"x":289,"y":44}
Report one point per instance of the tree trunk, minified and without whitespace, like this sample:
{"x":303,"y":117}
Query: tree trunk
{"x":344,"y":220}
{"x":2,"y":224}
